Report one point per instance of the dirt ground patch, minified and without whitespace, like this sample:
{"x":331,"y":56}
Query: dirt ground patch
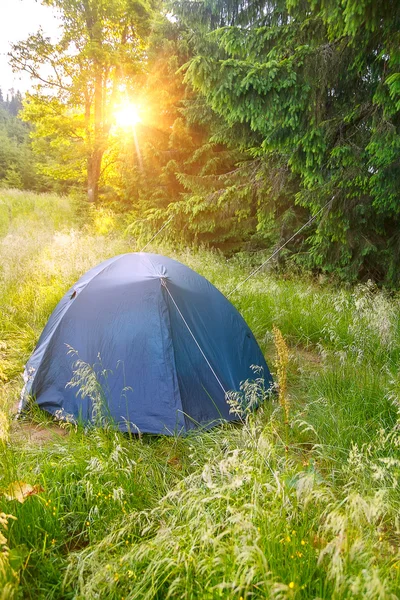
{"x":34,"y":433}
{"x":302,"y":355}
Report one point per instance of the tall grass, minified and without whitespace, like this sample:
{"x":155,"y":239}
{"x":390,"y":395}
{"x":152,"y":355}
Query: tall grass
{"x":299,"y":503}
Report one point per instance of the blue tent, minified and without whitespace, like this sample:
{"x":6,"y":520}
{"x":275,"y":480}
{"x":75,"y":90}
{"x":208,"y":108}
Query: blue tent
{"x":167,"y":343}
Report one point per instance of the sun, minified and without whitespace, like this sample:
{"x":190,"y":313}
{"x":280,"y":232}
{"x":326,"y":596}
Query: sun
{"x":128,"y":115}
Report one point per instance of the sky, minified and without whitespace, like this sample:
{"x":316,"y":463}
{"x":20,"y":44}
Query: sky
{"x":18,"y":19}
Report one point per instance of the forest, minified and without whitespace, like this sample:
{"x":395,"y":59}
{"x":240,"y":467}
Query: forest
{"x":251,"y":118}
{"x":258,"y":143}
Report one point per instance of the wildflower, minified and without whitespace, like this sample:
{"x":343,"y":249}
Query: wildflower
{"x":291,"y":585}
{"x":87,"y":523}
{"x":303,"y":543}
{"x":293,"y":532}
{"x":288,"y":539}
{"x":281,"y":366}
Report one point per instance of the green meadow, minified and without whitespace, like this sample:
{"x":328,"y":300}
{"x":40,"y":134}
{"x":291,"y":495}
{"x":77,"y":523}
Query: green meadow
{"x":298,"y":500}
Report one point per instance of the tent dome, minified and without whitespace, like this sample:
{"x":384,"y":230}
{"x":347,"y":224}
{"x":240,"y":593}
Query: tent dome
{"x":164,"y":343}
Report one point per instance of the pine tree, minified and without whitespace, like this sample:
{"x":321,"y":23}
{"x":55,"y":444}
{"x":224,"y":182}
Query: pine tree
{"x":313,"y":91}
{"x":17,"y":168}
{"x":187,"y":172}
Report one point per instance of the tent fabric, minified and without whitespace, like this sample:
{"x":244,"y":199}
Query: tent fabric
{"x":135,"y":320}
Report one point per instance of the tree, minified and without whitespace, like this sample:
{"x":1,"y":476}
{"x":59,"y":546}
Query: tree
{"x":16,"y":158}
{"x":80,"y":79}
{"x":311,"y":91}
{"x":185,"y":173}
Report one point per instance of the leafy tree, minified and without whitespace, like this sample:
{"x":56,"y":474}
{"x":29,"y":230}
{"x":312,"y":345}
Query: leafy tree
{"x":79,"y":81}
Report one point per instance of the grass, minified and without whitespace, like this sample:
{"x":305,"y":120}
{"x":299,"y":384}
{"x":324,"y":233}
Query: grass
{"x":300,"y":501}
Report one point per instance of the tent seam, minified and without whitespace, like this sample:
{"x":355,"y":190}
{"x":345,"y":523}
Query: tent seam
{"x":173,"y":355}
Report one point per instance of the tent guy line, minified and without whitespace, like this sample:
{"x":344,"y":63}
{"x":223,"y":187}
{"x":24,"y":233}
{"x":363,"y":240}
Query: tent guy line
{"x":280,"y":248}
{"x":156,"y":234}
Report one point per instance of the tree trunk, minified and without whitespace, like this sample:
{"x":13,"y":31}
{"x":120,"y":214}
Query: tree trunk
{"x":98,"y":140}
{"x":93,"y":174}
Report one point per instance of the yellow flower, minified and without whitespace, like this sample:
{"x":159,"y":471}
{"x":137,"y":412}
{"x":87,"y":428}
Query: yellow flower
{"x":291,"y":585}
{"x":288,"y":538}
{"x":87,"y":523}
{"x":281,"y":364}
{"x":303,"y":543}
{"x":293,"y":532}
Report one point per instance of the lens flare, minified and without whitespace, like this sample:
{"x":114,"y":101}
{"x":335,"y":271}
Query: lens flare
{"x":128,"y":115}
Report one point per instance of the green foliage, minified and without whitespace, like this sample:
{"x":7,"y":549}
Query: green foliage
{"x":176,"y":167}
{"x":17,"y":168}
{"x":310,"y":91}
